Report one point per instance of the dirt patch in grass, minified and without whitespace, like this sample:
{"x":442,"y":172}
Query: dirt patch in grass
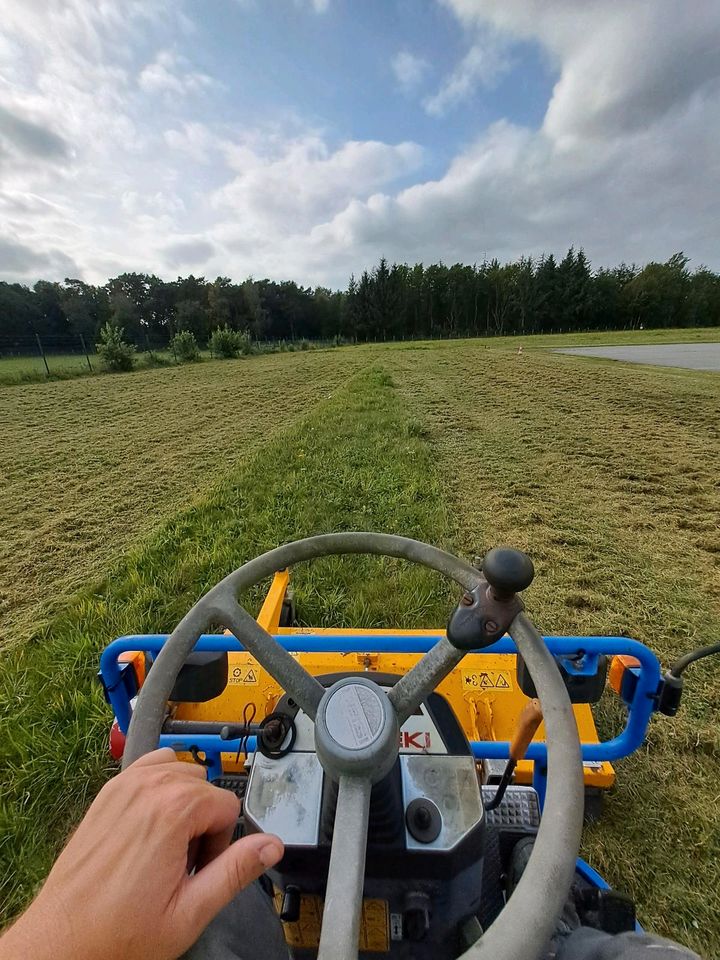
{"x":606,"y":478}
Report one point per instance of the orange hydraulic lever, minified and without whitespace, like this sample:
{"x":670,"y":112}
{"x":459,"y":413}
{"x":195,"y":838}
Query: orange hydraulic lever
{"x":528,"y":722}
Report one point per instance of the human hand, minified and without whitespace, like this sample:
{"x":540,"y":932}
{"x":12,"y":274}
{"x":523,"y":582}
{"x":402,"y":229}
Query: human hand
{"x":120,"y":890}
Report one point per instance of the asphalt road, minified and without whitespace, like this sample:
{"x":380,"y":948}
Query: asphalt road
{"x":692,"y":356}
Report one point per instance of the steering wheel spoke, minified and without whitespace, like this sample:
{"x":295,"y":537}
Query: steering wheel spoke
{"x":290,"y":674}
{"x":340,"y":932}
{"x":417,"y":684}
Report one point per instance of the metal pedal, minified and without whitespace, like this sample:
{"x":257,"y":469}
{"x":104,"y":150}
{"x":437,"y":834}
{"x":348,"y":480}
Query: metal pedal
{"x":236,"y":783}
{"x":519,"y":808}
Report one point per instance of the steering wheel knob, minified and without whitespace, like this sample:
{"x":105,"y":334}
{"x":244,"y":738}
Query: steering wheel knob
{"x":356,"y":730}
{"x":508,"y":571}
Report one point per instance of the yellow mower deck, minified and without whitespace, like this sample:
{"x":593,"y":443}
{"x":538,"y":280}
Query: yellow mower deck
{"x":482,"y":690}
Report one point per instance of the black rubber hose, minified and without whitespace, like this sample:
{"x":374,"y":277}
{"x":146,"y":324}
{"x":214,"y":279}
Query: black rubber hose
{"x":682,"y":662}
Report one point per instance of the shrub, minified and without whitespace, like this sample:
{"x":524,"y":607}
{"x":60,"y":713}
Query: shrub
{"x":304,"y":344}
{"x":115,"y":354}
{"x":184,"y":346}
{"x":155,"y":359}
{"x":246,"y":344}
{"x":226,"y":343}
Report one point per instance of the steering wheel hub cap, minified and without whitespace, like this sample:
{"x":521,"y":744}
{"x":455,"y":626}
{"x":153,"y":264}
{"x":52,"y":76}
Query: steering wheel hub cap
{"x":356,"y":730}
{"x":354,"y":716}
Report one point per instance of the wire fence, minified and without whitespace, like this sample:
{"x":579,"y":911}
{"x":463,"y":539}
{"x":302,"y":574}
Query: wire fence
{"x":33,"y":357}
{"x":23,"y":357}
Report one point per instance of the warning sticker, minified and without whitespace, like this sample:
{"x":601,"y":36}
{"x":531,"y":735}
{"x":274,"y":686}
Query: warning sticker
{"x":244,"y":675}
{"x":304,"y":933}
{"x":487,"y":680}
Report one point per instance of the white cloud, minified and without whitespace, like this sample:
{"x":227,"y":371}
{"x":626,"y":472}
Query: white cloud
{"x":164,"y":204}
{"x":409,"y":69}
{"x":482,"y":66}
{"x":100,"y":173}
{"x":192,"y":139}
{"x":170,"y":73}
{"x":318,"y":6}
{"x":295,"y":184}
{"x":188,"y":252}
{"x":624,"y":163}
{"x":621,"y":64}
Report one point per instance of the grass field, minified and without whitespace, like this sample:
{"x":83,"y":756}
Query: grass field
{"x":89,"y":466}
{"x":68,"y":366}
{"x":129,"y":495}
{"x":31,"y":369}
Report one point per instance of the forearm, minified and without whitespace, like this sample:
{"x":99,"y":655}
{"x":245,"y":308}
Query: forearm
{"x":37,"y":936}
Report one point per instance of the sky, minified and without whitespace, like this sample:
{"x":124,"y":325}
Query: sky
{"x":305,"y":139}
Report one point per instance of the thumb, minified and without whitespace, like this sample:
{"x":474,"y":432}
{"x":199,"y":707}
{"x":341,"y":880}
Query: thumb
{"x":206,"y":893}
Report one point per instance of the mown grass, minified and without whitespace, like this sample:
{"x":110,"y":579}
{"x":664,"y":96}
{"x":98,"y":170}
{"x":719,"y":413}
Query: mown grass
{"x":544,"y":341}
{"x":607,"y":475}
{"x":90,"y":466}
{"x":69,"y":366}
{"x":618,"y":338}
{"x":610,"y":480}
{"x":29,"y":369}
{"x":353,"y":463}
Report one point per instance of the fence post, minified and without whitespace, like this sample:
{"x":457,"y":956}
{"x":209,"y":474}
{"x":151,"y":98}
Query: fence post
{"x":85,"y":351}
{"x":42,"y":353}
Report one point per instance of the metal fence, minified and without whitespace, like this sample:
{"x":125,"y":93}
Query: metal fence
{"x":27,"y":356}
{"x":40,"y":356}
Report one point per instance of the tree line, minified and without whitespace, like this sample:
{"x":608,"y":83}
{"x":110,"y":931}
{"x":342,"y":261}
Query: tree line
{"x":395,"y":301}
{"x":151,"y":311}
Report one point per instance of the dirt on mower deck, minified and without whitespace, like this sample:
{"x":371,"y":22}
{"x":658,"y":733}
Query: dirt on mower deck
{"x":691,"y":356}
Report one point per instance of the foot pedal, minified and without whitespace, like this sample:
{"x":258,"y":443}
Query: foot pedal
{"x":519,"y":809}
{"x":236,"y":783}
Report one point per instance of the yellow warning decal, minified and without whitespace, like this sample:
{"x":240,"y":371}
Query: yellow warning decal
{"x":487,"y":680}
{"x":304,"y":933}
{"x":244,"y":675}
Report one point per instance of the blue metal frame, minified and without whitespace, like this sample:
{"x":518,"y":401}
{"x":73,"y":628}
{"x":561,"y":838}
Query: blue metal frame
{"x":583,"y":652}
{"x":593,"y":877}
{"x":579,"y":655}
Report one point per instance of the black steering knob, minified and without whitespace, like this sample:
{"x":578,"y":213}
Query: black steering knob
{"x":507,"y":571}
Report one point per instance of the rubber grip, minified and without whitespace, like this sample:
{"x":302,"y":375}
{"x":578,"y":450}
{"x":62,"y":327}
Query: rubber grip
{"x":528,"y":722}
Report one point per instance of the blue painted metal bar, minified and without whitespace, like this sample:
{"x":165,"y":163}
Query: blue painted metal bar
{"x":205,"y":742}
{"x":639,"y":712}
{"x":593,"y":877}
{"x":539,"y":781}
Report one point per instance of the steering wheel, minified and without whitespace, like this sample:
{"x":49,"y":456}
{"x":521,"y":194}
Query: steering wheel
{"x":357,"y":755}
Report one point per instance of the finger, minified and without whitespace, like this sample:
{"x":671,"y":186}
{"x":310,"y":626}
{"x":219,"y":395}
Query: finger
{"x":212,"y":845}
{"x":166,"y":759}
{"x":204,"y":894}
{"x":154,"y":758}
{"x":187,"y":769}
{"x":210,"y":810}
